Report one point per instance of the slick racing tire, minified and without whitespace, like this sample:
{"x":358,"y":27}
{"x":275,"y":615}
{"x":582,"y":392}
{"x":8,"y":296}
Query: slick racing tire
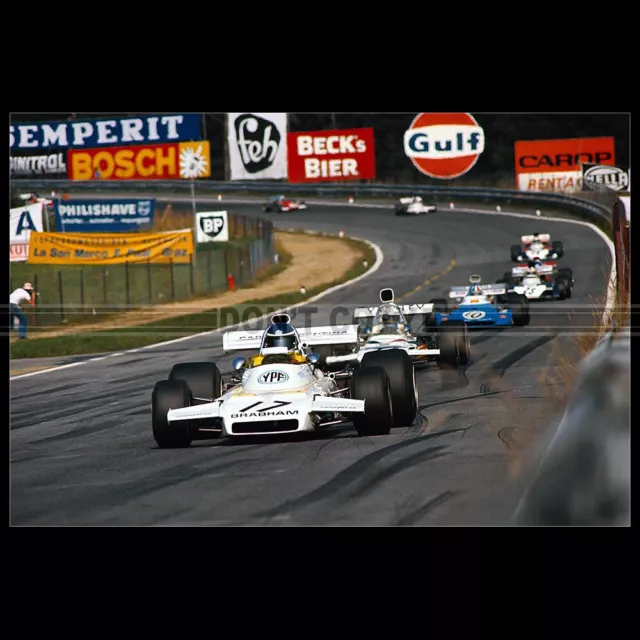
{"x":515,"y":252}
{"x":558,"y":248}
{"x":567,"y":273}
{"x":170,"y":394}
{"x":440,"y":305}
{"x":203,"y":379}
{"x":564,"y":287}
{"x":372,"y":385}
{"x":324,"y":351}
{"x":519,"y":306}
{"x":404,"y":393}
{"x":454,"y":345}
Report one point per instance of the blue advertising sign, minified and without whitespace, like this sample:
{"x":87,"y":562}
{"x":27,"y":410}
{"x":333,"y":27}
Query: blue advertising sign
{"x":104,"y":216}
{"x":105,"y":132}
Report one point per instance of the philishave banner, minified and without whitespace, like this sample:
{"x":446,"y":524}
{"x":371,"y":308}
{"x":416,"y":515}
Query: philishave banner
{"x":104,"y":216}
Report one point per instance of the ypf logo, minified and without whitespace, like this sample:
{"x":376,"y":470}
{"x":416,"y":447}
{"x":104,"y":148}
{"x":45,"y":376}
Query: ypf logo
{"x":258,"y":142}
{"x":272,"y":377}
{"x":444,"y":145}
{"x":212,"y":225}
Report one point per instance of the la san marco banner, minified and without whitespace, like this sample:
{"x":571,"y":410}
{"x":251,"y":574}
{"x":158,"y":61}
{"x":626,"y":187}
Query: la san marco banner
{"x":115,"y":248}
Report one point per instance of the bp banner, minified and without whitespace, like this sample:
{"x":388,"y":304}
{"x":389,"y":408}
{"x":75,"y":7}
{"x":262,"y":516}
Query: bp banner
{"x":212,"y":226}
{"x":110,"y":248}
{"x":22,"y":222}
{"x":258,"y":145}
{"x":112,"y":215}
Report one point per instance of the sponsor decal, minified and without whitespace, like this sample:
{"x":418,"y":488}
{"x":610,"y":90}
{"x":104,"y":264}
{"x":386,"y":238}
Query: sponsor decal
{"x":108,"y":216}
{"x":273,"y":377}
{"x":597,"y":177}
{"x":331,"y":156}
{"x":257,"y":145}
{"x":22,"y":222}
{"x":181,"y":160}
{"x":50,"y":164}
{"x":105,"y":132}
{"x":473,"y":315}
{"x":269,"y":409}
{"x":288,"y":412}
{"x":444,"y":145}
{"x":212,"y":226}
{"x":555,"y":165}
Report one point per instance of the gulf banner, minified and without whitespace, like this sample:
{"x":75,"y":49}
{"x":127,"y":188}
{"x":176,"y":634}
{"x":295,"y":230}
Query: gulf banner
{"x":556,"y":165}
{"x":178,"y":160}
{"x":331,"y":156}
{"x":111,"y":248}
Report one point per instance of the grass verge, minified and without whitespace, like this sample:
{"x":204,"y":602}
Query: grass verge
{"x":103,"y":341}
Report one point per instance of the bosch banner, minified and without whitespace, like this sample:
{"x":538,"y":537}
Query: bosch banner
{"x":115,"y":248}
{"x":555,"y":165}
{"x":328,"y":156}
{"x":22,"y":222}
{"x":105,"y":132}
{"x":104,"y":216}
{"x":182,"y":160}
{"x":38,"y":164}
{"x":598,"y":177}
{"x":258,"y":145}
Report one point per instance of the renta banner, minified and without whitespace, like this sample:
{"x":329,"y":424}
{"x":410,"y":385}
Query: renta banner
{"x":104,"y":216}
{"x":113,"y":248}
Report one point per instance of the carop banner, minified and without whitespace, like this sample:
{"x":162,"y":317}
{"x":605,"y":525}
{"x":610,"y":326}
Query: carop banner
{"x":257,"y":145}
{"x":331,"y":156}
{"x":555,"y":165}
{"x":104,"y":132}
{"x":599,"y":177}
{"x":22,"y":222}
{"x":114,"y":248}
{"x":106,"y":216}
{"x":212,"y":226}
{"x":182,"y":160}
{"x":38,"y":164}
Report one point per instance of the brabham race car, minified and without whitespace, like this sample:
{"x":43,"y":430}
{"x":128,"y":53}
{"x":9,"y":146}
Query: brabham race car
{"x":482,"y":305}
{"x":536,"y":246}
{"x":413,"y":206}
{"x":279,"y":390}
{"x":539,"y":281}
{"x":282,"y":204}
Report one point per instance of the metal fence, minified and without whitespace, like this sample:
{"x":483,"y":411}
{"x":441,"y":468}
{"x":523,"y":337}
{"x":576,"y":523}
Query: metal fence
{"x":80,"y":293}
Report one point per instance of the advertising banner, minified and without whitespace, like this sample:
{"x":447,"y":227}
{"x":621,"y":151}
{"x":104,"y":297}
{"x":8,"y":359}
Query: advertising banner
{"x":257,"y":145}
{"x":22,"y":222}
{"x":331,"y":156}
{"x":555,"y":165}
{"x":34,"y":165}
{"x":600,"y":177}
{"x":115,"y":248}
{"x":104,"y":216}
{"x":212,"y":226}
{"x":104,"y":132}
{"x":182,"y":160}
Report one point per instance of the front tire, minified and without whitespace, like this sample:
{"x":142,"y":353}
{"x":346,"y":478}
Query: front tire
{"x":372,"y":385}
{"x":170,"y":394}
{"x":453,"y":342}
{"x":402,"y":377}
{"x":203,"y":379}
{"x":519,"y":306}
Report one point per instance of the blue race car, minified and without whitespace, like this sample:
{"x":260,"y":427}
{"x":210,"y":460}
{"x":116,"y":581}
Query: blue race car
{"x":482,"y":305}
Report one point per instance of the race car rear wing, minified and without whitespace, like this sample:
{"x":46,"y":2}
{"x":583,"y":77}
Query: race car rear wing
{"x":406,"y":309}
{"x":487,"y":290}
{"x":311,"y":336}
{"x":523,"y":271}
{"x":542,"y":237}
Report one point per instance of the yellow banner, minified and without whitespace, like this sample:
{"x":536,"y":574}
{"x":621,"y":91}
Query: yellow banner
{"x":110,"y":248}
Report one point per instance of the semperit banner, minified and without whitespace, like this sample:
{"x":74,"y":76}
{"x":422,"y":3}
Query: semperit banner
{"x":111,"y":248}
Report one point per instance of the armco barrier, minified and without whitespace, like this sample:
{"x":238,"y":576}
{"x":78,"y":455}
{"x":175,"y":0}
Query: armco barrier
{"x":584,"y":478}
{"x":593,"y":211}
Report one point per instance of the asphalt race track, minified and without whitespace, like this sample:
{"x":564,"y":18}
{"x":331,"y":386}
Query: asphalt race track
{"x":82,"y":452}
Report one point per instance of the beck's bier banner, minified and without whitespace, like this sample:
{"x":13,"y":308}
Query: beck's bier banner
{"x":110,"y":248}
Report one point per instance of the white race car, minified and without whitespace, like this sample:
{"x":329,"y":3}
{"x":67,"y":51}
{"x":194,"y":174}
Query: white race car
{"x":540,"y":281}
{"x":413,"y":206}
{"x":280,"y":390}
{"x":536,"y":246}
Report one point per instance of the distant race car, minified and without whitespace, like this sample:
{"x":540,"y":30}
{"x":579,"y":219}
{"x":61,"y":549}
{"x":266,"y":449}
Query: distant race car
{"x":539,"y":280}
{"x":282,"y":204}
{"x":536,"y":246}
{"x":480,"y":305}
{"x":413,"y":206}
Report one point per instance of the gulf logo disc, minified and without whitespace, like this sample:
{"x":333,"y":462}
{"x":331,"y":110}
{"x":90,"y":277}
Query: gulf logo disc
{"x":444,"y":145}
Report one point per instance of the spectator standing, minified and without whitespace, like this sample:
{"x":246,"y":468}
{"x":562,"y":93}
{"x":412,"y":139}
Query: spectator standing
{"x":25,"y":293}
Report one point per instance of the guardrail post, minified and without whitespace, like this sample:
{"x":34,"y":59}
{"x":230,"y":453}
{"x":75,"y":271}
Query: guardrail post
{"x":149,"y":288}
{"x":209,"y":271}
{"x":126,"y":284}
{"x":173,"y":290}
{"x":226,"y":264}
{"x":60,"y":295}
{"x":82,"y":289}
{"x":35,"y":311}
{"x":104,"y":287}
{"x":191,"y":274}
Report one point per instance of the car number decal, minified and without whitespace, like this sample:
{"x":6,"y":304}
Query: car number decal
{"x":473,"y":315}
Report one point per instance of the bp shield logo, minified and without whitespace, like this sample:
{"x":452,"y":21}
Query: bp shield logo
{"x":212,"y":226}
{"x":444,"y":145}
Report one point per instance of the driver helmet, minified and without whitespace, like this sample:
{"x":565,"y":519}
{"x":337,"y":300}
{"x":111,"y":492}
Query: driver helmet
{"x":280,"y":338}
{"x":475,"y":290}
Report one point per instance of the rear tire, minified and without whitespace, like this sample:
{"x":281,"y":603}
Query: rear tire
{"x":519,"y":306}
{"x":170,"y":394}
{"x":404,"y":394}
{"x":516,"y":249}
{"x":453,"y":342}
{"x":372,"y":385}
{"x":203,"y":379}
{"x":564,"y":287}
{"x":558,"y":248}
